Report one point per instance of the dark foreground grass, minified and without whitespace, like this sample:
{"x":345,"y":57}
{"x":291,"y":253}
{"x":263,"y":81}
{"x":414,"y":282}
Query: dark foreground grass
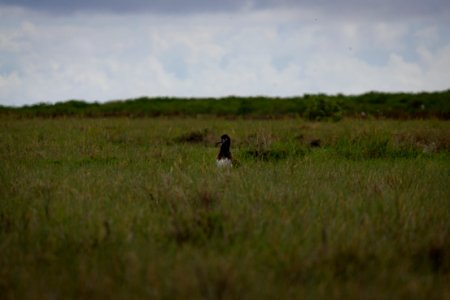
{"x":120,"y":208}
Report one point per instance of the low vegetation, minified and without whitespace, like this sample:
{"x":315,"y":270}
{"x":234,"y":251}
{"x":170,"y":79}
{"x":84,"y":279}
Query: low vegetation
{"x":136,"y":208}
{"x":318,"y":107}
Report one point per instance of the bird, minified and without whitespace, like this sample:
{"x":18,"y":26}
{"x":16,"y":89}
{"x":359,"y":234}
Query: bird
{"x":224,"y":158}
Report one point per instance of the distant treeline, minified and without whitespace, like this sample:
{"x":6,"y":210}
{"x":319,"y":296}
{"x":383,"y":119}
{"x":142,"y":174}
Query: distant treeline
{"x":312,"y":107}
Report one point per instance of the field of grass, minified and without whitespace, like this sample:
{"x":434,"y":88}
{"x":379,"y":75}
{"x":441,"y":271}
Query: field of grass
{"x":124,"y":208}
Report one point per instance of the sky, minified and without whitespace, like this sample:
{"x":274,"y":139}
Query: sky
{"x":103,"y":50}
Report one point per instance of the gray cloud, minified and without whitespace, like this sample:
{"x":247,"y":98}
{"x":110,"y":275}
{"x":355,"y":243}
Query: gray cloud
{"x":356,"y":8}
{"x":127,"y":6}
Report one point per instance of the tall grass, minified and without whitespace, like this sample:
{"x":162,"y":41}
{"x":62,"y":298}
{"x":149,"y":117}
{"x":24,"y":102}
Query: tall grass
{"x":136,"y":208}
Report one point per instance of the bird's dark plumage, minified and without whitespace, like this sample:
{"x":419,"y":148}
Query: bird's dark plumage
{"x":225,"y":142}
{"x":224,"y":158}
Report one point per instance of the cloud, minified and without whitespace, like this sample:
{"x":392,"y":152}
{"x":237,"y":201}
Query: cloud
{"x":281,"y":52}
{"x":129,"y":6}
{"x":362,"y":8}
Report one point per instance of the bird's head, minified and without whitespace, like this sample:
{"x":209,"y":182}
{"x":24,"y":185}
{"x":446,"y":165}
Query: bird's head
{"x":224,"y":140}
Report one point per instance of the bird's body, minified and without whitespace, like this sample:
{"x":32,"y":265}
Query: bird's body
{"x":224,"y":158}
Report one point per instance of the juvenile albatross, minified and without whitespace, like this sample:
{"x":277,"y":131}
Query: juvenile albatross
{"x":224,"y":158}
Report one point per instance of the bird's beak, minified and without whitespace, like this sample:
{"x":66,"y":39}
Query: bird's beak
{"x":219,"y":143}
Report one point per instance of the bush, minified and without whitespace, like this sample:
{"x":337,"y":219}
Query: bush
{"x":321,"y":109}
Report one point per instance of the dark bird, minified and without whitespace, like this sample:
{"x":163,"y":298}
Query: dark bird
{"x":224,"y":158}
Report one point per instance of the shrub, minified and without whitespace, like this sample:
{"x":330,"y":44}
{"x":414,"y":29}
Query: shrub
{"x":321,"y":109}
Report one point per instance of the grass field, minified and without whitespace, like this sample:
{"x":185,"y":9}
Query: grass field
{"x":136,"y":208}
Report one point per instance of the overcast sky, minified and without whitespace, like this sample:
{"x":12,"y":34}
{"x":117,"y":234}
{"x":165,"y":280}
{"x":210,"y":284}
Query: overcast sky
{"x":99,"y":50}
